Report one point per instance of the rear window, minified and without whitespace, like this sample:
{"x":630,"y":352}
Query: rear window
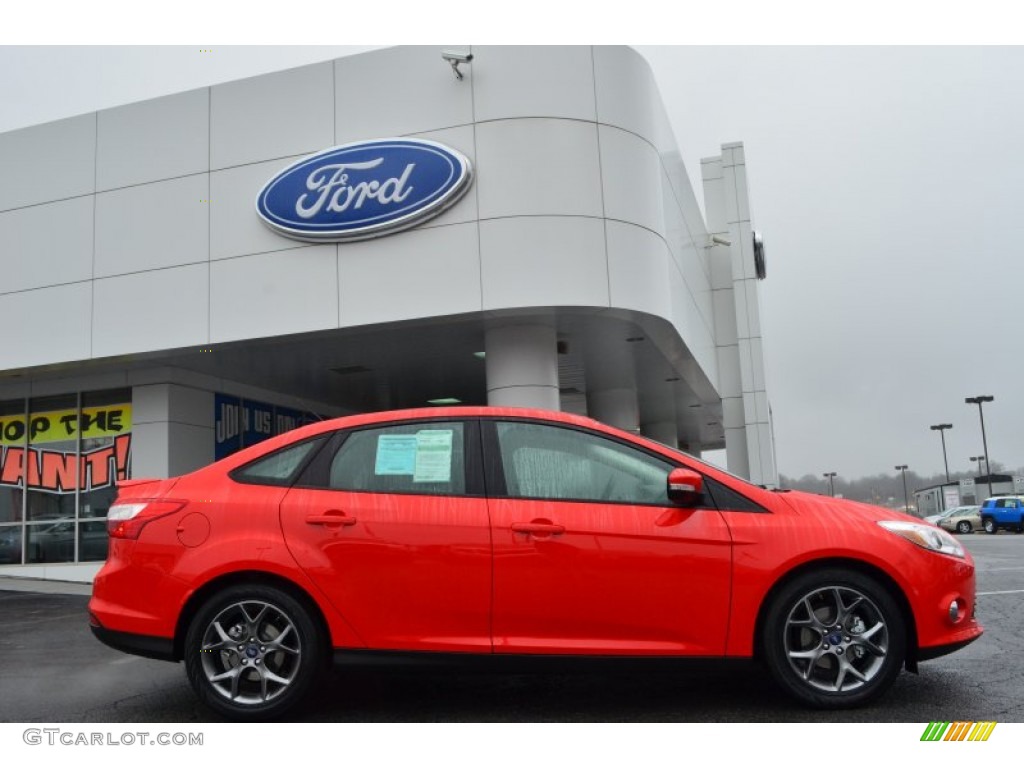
{"x":280,"y":467}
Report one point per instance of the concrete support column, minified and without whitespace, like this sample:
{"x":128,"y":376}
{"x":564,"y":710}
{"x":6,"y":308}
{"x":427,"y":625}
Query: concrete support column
{"x":691,"y":448}
{"x":664,"y":432}
{"x":172,"y":429}
{"x":617,"y":407}
{"x":522,"y":366}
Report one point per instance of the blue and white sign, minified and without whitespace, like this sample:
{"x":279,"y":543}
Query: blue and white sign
{"x":363,"y":190}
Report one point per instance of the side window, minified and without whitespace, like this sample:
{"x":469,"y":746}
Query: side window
{"x":547,"y":462}
{"x":280,"y":467}
{"x":409,"y":458}
{"x":1002,"y":503}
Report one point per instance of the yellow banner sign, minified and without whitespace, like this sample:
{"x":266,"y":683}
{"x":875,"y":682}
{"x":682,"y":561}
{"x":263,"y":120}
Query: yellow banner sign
{"x":57,"y":426}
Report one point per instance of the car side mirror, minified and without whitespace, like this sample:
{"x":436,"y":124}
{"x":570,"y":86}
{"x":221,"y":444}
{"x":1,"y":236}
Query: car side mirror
{"x":685,"y":487}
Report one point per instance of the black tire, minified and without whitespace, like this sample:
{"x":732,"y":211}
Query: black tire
{"x":963,"y":527}
{"x":253,"y":651}
{"x":989,"y":525}
{"x":834,"y":638}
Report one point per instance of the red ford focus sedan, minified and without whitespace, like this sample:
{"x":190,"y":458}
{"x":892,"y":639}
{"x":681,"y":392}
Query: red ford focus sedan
{"x":499,"y":531}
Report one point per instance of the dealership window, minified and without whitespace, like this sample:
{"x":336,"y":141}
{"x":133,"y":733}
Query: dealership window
{"x":60,"y":459}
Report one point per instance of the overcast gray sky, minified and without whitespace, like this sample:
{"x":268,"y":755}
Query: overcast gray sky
{"x":887,"y":183}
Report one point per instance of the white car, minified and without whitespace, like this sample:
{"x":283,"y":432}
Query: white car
{"x":934,"y":519}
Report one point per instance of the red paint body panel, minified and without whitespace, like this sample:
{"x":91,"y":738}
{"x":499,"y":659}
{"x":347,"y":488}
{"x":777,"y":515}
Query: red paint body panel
{"x":620,"y":579}
{"x":450,"y":573}
{"x":411,"y":573}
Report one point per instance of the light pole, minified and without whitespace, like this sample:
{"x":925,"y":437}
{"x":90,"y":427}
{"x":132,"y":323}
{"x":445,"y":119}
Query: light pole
{"x":831,"y":488}
{"x":906,"y":499}
{"x":942,"y":433}
{"x":978,"y":459}
{"x":984,"y":443}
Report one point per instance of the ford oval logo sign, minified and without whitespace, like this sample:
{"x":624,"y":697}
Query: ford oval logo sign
{"x":363,"y":190}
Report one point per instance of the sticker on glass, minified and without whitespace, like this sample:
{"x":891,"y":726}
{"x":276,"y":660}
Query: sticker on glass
{"x":396,"y":455}
{"x":433,"y":456}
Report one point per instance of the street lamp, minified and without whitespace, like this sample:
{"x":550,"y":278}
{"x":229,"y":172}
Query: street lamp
{"x":831,"y":488}
{"x":984,"y":443}
{"x":906,"y":499}
{"x":978,"y":459}
{"x":942,"y":433}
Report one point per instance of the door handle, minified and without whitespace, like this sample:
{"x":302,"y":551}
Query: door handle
{"x":537,"y":527}
{"x":331,"y":517}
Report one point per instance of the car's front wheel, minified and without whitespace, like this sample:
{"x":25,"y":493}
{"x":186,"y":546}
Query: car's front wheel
{"x":252,"y":652}
{"x":963,"y":527}
{"x":990,"y":525}
{"x":834,"y":638}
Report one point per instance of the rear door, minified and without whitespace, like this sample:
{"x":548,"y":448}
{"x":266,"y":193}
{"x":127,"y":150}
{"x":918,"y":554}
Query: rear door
{"x":391,"y":523}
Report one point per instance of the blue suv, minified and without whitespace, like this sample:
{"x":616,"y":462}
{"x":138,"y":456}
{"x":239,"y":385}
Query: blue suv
{"x":1003,"y":512}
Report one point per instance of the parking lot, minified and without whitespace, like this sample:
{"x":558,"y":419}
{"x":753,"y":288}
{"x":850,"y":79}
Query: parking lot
{"x":53,"y":670}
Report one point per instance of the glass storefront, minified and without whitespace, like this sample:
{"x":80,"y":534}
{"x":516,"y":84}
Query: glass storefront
{"x":60,"y":459}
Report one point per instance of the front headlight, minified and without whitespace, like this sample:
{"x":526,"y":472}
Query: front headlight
{"x":926,"y":536}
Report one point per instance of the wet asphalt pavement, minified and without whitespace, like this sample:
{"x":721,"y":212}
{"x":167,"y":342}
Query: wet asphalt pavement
{"x":53,"y":670}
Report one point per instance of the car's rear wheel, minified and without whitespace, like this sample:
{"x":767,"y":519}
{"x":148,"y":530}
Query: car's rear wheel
{"x":963,"y":527}
{"x":252,"y":652}
{"x":834,"y":638}
{"x":990,"y":525}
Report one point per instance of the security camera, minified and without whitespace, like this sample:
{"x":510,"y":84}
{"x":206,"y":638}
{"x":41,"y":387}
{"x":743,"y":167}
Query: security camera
{"x":455,"y":58}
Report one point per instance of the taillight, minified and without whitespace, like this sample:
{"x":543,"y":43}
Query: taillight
{"x":126,"y":521}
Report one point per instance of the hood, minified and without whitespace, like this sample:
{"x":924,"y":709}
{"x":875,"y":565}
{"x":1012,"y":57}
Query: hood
{"x":826,"y":507}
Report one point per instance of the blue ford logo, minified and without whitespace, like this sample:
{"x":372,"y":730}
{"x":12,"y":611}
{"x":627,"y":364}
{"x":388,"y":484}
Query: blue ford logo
{"x":364,"y":190}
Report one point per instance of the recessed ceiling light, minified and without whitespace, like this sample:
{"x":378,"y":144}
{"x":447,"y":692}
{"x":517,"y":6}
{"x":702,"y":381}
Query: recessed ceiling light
{"x":480,"y":355}
{"x":444,"y":401}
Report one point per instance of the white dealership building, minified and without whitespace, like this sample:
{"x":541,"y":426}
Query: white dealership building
{"x":154,"y":319}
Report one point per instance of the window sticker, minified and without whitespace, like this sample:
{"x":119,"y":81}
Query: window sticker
{"x":433,"y":456}
{"x":396,"y":455}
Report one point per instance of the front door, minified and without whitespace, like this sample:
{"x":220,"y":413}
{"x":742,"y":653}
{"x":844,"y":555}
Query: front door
{"x":590,"y":555}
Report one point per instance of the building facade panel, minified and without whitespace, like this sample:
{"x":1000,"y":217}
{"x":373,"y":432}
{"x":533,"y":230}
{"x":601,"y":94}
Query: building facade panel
{"x":533,"y":81}
{"x":631,"y":176}
{"x":47,"y":325}
{"x":272,"y":294}
{"x":235,"y":230}
{"x":153,"y":226}
{"x":403,"y":283}
{"x":47,"y":244}
{"x":274,"y":115}
{"x":537,"y":261}
{"x":398,"y":92}
{"x":153,"y":140}
{"x":538,"y":167}
{"x":157,"y":309}
{"x":48,"y":162}
{"x":626,"y":91}
{"x":639,"y":269}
